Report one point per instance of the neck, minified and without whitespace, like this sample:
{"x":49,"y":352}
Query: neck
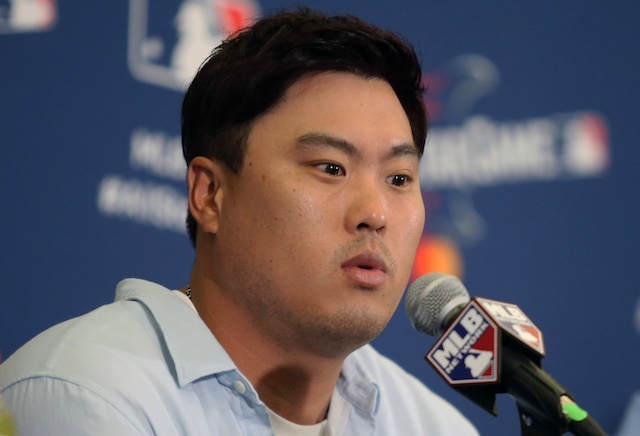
{"x":296,"y":394}
{"x":294,"y":383}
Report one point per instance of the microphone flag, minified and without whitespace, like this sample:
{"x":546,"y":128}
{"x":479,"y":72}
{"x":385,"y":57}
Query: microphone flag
{"x":468,"y":352}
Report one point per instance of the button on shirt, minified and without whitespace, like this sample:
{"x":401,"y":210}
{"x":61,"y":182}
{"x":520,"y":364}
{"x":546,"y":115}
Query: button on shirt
{"x":147,"y":364}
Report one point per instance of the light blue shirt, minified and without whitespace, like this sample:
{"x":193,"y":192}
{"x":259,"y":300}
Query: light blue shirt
{"x":147,"y":364}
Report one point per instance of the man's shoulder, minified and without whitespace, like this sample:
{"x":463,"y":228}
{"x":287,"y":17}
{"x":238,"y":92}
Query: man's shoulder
{"x":84,"y":347}
{"x":128,"y":365}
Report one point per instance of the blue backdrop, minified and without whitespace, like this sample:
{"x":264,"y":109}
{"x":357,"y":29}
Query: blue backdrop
{"x":531,"y":177}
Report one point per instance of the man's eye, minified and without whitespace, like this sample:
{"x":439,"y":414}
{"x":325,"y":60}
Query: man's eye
{"x":398,"y":180}
{"x":333,"y":169}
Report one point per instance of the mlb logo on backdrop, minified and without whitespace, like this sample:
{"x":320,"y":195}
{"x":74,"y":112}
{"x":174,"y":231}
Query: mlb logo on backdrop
{"x":169,"y":42}
{"x":466,"y":352}
{"x":27,"y":15}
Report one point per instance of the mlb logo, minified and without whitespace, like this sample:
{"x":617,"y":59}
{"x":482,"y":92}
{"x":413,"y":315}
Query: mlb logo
{"x":168,"y":42}
{"x":514,"y":322}
{"x":586,"y":150}
{"x":27,"y":15}
{"x":467,"y":352}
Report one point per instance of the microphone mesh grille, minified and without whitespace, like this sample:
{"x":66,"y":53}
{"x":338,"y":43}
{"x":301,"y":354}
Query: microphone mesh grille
{"x":427,"y":298}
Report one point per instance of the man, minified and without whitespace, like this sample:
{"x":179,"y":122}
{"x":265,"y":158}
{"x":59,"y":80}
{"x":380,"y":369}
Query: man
{"x":302,"y":137}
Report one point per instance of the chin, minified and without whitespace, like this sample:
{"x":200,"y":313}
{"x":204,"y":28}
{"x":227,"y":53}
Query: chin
{"x":347,"y":330}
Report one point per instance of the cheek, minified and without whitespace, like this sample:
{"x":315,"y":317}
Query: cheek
{"x":411,"y":213}
{"x":284,"y":219}
{"x":309,"y":228}
{"x":412,"y":226}
{"x":418,"y":221}
{"x":304,"y":220}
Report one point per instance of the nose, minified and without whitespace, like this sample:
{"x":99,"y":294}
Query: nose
{"x":367,"y":211}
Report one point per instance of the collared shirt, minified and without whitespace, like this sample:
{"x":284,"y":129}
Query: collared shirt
{"x":147,"y":364}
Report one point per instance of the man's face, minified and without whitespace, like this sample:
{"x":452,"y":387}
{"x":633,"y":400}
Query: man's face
{"x":318,"y":231}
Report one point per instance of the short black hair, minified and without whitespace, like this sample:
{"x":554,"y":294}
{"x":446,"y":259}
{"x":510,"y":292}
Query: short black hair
{"x":249,"y":74}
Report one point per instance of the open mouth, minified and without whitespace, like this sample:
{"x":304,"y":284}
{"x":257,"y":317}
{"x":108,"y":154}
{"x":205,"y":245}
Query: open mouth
{"x":366,"y":269}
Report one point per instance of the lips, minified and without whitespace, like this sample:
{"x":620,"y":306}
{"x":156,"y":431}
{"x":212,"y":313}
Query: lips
{"x":367,"y":269}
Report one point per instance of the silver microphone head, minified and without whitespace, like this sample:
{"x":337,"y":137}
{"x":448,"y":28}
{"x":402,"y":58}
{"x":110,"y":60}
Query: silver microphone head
{"x":431,"y":298}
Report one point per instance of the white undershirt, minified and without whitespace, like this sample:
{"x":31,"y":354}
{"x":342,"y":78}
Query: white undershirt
{"x":281,"y":426}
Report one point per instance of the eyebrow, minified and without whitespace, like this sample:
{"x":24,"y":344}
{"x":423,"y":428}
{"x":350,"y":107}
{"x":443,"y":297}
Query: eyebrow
{"x":316,"y":139}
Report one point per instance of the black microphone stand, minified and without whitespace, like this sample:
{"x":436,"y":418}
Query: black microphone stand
{"x":545,"y":407}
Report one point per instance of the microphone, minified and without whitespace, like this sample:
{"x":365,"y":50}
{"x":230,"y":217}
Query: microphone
{"x":487,"y":347}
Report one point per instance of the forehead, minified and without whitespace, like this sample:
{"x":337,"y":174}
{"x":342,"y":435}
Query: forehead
{"x":362,"y":111}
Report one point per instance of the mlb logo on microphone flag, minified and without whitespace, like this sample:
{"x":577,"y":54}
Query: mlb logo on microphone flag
{"x":512,"y":320}
{"x":467,"y":352}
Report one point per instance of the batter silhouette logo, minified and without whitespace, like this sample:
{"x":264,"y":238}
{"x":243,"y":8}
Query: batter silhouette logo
{"x":18,"y":16}
{"x":466,"y":352}
{"x":167,"y":43}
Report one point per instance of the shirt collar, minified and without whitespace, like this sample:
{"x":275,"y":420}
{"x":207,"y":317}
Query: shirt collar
{"x":192,"y":349}
{"x":358,"y":386}
{"x":194,"y":352}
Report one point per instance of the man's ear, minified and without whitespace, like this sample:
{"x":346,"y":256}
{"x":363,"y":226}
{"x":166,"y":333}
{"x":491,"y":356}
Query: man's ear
{"x":206,"y":180}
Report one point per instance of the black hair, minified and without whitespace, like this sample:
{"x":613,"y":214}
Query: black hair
{"x":249,"y":74}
